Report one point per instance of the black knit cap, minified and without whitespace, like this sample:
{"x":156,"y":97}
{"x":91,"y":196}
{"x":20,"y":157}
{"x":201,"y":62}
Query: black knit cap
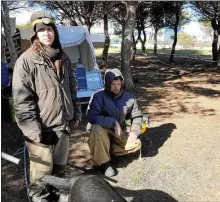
{"x":43,"y":14}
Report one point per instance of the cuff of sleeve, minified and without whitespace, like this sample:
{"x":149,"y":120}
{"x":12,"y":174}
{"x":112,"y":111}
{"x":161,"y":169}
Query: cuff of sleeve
{"x":113,"y":123}
{"x":136,"y":132}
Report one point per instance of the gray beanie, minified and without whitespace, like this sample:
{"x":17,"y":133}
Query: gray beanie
{"x":36,"y":26}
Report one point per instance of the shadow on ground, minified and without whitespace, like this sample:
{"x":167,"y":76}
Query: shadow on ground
{"x":155,"y":138}
{"x":12,"y":175}
{"x":146,"y":195}
{"x":151,"y":141}
{"x":198,"y":90}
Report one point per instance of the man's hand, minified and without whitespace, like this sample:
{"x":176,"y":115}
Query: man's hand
{"x":132,"y":137}
{"x":34,"y":138}
{"x":118,"y":132}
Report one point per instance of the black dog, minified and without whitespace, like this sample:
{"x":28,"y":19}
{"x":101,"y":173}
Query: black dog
{"x":85,"y":188}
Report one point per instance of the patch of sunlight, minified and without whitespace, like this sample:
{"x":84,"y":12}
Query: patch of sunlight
{"x":138,"y":177}
{"x":182,"y":51}
{"x":164,"y":167}
{"x":98,"y":51}
{"x":177,"y":158}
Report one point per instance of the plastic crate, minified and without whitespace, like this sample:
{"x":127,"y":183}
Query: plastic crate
{"x":94,"y":80}
{"x":81,"y":77}
{"x":88,"y":82}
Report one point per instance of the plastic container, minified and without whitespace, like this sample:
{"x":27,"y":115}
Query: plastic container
{"x":4,"y":75}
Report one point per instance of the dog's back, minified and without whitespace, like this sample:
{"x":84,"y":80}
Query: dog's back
{"x":92,"y":188}
{"x":86,"y":188}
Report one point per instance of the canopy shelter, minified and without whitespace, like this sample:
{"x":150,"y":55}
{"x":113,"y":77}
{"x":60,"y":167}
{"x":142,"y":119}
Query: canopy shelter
{"x":77,"y":43}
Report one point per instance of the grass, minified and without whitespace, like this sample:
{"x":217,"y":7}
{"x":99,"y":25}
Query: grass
{"x":164,"y":167}
{"x":98,"y":51}
{"x":182,"y":51}
{"x":138,"y":177}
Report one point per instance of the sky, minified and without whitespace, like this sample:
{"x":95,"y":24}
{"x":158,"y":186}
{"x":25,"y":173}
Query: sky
{"x":23,"y":16}
{"x":193,"y":28}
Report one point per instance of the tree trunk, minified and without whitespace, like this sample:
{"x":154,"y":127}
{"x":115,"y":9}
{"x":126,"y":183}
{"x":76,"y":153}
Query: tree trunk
{"x":135,"y":42}
{"x":73,"y":23}
{"x":134,"y":48}
{"x":88,"y":24}
{"x":155,"y":41}
{"x":143,"y":41}
{"x":7,"y":30}
{"x":89,"y":27}
{"x":107,"y":41}
{"x":219,"y":56}
{"x":175,"y":37}
{"x":139,"y":34}
{"x":215,"y":48}
{"x":215,"y":54}
{"x":127,"y":42}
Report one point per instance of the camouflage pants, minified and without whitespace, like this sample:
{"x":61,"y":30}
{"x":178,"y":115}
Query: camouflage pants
{"x":102,"y":143}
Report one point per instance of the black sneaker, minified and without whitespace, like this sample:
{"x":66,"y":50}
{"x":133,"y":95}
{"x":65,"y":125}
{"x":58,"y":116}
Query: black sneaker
{"x":107,"y":170}
{"x":37,"y":193}
{"x":40,"y":198}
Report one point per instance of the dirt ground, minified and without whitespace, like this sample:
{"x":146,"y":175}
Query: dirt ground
{"x":182,"y":162}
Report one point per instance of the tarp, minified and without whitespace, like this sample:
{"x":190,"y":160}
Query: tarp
{"x":77,"y":43}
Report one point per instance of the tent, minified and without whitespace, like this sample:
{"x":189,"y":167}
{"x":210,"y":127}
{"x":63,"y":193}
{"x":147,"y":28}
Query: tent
{"x":77,"y":43}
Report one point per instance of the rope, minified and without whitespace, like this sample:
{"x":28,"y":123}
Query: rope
{"x":140,"y":154}
{"x":25,"y":173}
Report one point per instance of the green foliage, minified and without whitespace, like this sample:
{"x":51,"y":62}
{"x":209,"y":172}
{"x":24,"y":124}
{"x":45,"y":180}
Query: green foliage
{"x":207,"y":10}
{"x":77,"y":12}
{"x":118,"y":12}
{"x":117,"y":29}
{"x":115,"y":38}
{"x":175,"y":11}
{"x":186,"y":40}
{"x":206,"y":23}
{"x":157,"y":15}
{"x":207,"y":27}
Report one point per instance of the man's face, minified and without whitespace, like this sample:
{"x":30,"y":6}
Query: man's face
{"x":116,"y":86}
{"x":46,"y":36}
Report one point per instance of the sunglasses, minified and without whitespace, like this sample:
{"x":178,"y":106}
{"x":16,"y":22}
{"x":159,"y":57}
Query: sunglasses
{"x":45,"y":21}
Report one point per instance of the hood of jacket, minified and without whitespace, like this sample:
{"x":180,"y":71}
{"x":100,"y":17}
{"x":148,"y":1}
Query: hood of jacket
{"x":110,"y":75}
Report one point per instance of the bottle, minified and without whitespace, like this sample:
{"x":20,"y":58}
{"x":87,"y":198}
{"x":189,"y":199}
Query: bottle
{"x":145,"y":122}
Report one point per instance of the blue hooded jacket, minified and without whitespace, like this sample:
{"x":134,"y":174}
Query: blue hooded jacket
{"x":105,"y":109}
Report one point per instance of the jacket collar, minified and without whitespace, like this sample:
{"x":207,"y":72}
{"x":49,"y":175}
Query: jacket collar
{"x":37,"y":58}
